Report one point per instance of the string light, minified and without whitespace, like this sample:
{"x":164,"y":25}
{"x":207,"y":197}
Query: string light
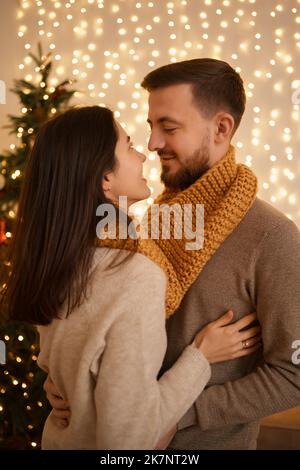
{"x":143,"y":35}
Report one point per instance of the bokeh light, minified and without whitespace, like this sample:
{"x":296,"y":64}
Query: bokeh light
{"x":110,"y":46}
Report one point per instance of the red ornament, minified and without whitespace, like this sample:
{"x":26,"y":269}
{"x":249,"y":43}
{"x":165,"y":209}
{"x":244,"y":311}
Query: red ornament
{"x":57,"y":93}
{"x":3,"y":237}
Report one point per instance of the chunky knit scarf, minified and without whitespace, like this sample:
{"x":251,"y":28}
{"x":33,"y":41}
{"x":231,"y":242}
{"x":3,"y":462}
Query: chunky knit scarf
{"x":227,"y":191}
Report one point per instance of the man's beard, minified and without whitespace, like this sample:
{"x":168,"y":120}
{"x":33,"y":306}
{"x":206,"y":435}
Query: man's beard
{"x":194,"y":167}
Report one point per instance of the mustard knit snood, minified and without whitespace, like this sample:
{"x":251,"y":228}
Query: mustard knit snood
{"x":226,"y":191}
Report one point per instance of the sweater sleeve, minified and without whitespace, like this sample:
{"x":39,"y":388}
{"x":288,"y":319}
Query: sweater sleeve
{"x":275,"y":385}
{"x":133,"y":408}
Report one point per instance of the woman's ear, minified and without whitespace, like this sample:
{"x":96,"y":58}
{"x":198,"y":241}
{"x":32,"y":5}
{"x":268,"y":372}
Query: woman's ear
{"x":106,"y":182}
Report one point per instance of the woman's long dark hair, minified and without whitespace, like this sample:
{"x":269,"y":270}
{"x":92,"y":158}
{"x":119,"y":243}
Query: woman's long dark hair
{"x":54,"y":239}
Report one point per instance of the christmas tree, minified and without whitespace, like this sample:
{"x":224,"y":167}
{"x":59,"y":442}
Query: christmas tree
{"x":23,"y":406}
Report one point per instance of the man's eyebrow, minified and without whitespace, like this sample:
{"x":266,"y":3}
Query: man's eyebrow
{"x":165,"y":119}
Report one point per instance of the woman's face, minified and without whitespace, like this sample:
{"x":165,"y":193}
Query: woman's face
{"x":127,"y":179}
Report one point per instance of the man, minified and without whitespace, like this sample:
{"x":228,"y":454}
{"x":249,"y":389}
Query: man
{"x":250,"y":260}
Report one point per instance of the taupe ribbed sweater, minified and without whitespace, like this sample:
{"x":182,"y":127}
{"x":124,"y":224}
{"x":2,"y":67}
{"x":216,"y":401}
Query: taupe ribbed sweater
{"x":105,"y":358}
{"x":257,"y":268}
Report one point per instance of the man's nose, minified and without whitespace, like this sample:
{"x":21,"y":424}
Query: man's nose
{"x":156,"y":142}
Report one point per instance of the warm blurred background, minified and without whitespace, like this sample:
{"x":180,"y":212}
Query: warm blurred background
{"x":107,"y":47}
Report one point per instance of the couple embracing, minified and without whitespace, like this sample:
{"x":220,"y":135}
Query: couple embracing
{"x":147,"y":344}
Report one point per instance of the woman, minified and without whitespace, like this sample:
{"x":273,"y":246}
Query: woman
{"x":102,"y":310}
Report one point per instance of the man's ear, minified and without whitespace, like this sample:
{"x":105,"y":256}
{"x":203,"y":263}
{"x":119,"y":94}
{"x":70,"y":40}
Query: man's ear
{"x":224,"y":127}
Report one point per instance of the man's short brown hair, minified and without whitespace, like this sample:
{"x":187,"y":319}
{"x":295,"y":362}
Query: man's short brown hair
{"x":216,"y":85}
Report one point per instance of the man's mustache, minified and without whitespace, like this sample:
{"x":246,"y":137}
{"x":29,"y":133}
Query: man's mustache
{"x":161,"y":153}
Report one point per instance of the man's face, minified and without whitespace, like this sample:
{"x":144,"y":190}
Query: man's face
{"x":179,"y":134}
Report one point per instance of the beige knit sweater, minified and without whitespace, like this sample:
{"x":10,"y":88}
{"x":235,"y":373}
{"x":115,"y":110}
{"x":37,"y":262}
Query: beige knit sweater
{"x":105,"y":357}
